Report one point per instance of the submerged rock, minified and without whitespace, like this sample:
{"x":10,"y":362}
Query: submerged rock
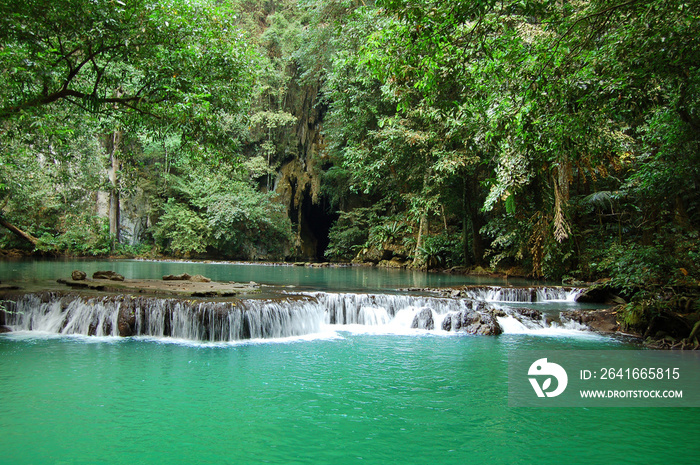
{"x":423,"y":320}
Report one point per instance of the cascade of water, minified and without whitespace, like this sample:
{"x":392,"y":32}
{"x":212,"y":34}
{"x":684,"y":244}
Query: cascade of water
{"x":202,"y":321}
{"x":522,"y":294}
{"x":275,"y":318}
{"x":558,"y":294}
{"x":347,"y":309}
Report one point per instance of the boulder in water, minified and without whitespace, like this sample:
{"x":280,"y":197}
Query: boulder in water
{"x":479,"y":321}
{"x":447,"y":323}
{"x":78,"y":275}
{"x":126,"y":320}
{"x":5,"y":329}
{"x":198,"y":278}
{"x":111,"y":275}
{"x":423,"y":320}
{"x":529,"y":313}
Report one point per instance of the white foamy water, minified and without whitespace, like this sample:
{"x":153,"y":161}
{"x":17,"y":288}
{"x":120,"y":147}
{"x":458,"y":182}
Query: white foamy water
{"x":307,"y":316}
{"x":512,"y":325}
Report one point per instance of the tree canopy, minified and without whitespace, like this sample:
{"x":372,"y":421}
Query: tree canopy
{"x":161,"y":58}
{"x":556,"y":139}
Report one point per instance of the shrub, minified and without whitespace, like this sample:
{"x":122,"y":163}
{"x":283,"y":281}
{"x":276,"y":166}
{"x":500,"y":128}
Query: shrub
{"x":181,"y":230}
{"x":79,"y":234}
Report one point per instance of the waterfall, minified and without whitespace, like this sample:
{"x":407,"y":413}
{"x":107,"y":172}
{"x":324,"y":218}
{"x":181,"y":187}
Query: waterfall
{"x":369,"y":309}
{"x":182,"y":319}
{"x":286,"y":316}
{"x":521,"y":294}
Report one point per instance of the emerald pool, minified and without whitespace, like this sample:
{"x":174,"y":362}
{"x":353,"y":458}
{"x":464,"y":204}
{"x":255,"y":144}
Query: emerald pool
{"x":349,"y":394}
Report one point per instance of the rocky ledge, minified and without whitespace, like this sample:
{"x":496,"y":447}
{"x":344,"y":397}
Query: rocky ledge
{"x":182,"y":285}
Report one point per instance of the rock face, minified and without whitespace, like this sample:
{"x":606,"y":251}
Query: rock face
{"x":78,"y":275}
{"x":598,"y":295}
{"x":111,"y":275}
{"x":423,"y":320}
{"x":393,"y":263}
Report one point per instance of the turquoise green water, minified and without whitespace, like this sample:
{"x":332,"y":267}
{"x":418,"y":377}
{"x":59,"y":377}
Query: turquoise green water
{"x":352,"y":398}
{"x":333,"y":278}
{"x":340,"y":397}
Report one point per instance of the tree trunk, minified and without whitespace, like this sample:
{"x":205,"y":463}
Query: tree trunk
{"x":113,"y":143}
{"x":465,"y":223}
{"x":18,"y":232}
{"x":424,"y":225}
{"x":477,"y":241}
{"x":419,"y":239}
{"x":471,"y":215}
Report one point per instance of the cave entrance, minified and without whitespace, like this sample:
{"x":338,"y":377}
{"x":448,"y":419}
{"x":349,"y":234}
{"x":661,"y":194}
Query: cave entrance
{"x":319,"y":218}
{"x":313,"y":222}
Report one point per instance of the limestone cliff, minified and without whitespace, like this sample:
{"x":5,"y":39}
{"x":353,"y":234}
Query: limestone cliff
{"x":298,"y":182}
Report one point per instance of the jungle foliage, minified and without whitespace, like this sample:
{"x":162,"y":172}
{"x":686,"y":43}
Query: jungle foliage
{"x":557,"y":139}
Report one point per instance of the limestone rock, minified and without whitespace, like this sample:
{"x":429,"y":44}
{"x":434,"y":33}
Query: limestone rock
{"x":198,"y":278}
{"x":529,"y":313}
{"x":177,"y":277}
{"x":78,"y":275}
{"x":126,"y":320}
{"x":603,"y":320}
{"x":476,"y":321}
{"x":111,"y":275}
{"x":393,"y":263}
{"x":480,"y":323}
{"x":423,"y":320}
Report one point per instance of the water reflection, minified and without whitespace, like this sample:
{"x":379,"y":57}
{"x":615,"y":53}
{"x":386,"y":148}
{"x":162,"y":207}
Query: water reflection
{"x":351,"y":278}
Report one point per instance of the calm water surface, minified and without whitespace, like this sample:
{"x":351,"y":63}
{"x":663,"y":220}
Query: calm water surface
{"x":353,"y":278}
{"x":344,"y":396}
{"x":354,"y":398}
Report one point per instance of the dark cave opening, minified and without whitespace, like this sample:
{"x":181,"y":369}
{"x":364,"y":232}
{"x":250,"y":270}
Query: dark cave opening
{"x":317,"y":220}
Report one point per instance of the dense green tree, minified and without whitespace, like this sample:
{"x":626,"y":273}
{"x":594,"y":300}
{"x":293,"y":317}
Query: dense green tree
{"x":169,"y":58}
{"x":551,"y":96}
{"x":555,"y":138}
{"x":217,"y":210}
{"x":164,"y":68}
